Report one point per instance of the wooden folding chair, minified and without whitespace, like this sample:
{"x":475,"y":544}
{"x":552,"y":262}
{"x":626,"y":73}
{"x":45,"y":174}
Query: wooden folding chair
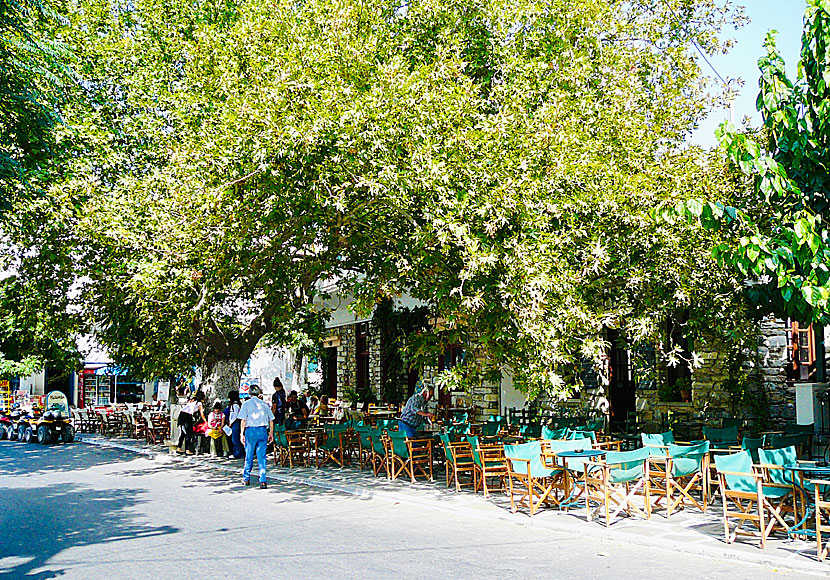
{"x":751,"y":498}
{"x":489,"y":463}
{"x":528,"y":478}
{"x":412,"y":456}
{"x":615,"y":482}
{"x":459,"y":461}
{"x":822,"y":506}
{"x":328,"y":446}
{"x":675,"y":476}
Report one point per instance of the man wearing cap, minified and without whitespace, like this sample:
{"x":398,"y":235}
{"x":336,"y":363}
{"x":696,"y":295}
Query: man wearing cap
{"x":414,"y":412}
{"x":257,"y":430}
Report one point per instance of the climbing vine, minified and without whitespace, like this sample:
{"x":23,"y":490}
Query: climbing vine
{"x":395,"y":326}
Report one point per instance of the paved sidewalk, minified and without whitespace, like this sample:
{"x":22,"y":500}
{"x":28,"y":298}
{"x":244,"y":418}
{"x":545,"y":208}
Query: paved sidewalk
{"x":688,"y":531}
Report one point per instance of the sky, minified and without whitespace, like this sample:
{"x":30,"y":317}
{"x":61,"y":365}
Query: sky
{"x":785,"y":16}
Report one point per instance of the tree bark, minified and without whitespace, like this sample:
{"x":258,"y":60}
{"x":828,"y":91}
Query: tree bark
{"x":220,"y":376}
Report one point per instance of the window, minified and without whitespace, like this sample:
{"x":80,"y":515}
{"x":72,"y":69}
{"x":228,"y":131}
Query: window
{"x":801,"y":352}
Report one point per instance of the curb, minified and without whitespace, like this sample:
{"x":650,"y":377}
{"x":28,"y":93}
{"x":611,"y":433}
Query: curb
{"x":695,"y":548}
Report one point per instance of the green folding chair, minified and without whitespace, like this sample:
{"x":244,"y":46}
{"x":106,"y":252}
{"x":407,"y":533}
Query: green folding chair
{"x":747,"y":498}
{"x":530,"y":431}
{"x":686,"y":470}
{"x":528,"y":477}
{"x":328,"y":446}
{"x":615,"y":483}
{"x":459,"y":460}
{"x":490,"y":462}
{"x":410,"y":456}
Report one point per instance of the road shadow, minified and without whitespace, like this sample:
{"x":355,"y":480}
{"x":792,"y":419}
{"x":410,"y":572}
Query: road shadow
{"x":39,"y":523}
{"x":29,"y":458}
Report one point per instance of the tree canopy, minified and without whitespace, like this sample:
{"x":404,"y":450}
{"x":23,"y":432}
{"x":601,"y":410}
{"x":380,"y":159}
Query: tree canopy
{"x":776,"y":234}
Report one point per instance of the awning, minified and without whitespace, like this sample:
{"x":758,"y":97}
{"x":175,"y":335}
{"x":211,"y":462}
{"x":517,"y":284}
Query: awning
{"x":111,"y":370}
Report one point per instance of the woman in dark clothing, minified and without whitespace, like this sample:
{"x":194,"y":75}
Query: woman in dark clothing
{"x":278,"y":402}
{"x":193,"y":410}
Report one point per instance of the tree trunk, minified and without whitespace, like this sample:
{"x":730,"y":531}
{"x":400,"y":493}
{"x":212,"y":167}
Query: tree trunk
{"x":220,"y":377}
{"x":299,"y":370}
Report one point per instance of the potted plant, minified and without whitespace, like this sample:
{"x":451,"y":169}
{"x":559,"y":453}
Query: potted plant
{"x":684,"y":387}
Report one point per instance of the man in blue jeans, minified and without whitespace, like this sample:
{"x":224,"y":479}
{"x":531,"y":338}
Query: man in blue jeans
{"x":414,"y":412}
{"x":257,"y":427}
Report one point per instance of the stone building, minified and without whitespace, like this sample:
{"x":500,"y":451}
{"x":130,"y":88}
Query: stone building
{"x":786,"y":355}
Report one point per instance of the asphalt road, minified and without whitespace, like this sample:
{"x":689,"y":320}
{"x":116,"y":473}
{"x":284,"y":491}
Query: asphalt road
{"x":75,"y":511}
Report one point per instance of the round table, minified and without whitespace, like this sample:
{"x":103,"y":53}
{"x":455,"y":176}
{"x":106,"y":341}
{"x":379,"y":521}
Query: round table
{"x":809,"y":468}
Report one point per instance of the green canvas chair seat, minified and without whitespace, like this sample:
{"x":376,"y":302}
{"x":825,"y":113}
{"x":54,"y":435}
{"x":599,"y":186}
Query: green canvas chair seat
{"x":403,"y":456}
{"x":460,"y":417}
{"x":498,"y":419}
{"x":595,"y":425}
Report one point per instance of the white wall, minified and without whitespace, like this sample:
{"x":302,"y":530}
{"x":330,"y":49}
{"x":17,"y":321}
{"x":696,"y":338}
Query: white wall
{"x":509,"y":395}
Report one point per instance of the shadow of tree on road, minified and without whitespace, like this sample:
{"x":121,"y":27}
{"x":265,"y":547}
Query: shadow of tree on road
{"x":26,"y":458}
{"x":41,"y":522}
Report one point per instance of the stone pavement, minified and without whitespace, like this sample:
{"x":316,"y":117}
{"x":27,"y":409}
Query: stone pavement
{"x":688,"y":531}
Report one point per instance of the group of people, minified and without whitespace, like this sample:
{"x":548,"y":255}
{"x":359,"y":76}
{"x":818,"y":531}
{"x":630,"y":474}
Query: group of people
{"x":249,"y":425}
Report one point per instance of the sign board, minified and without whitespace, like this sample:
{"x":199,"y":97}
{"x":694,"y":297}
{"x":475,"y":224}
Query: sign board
{"x":5,"y":395}
{"x":163,"y":391}
{"x":57,"y":401}
{"x":246,"y":382}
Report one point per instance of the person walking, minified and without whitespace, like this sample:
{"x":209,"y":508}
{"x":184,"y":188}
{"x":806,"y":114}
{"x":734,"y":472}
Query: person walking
{"x":232,"y":415}
{"x":257,"y":431}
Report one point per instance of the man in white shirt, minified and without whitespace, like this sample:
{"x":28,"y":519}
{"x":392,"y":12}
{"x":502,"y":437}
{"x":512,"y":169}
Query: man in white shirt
{"x":257,"y":430}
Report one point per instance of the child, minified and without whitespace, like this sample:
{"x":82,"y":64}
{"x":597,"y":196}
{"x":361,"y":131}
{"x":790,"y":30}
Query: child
{"x":216,"y":420}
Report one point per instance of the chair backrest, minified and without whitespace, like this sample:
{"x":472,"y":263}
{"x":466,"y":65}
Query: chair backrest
{"x":399,"y":447}
{"x":724,"y":436}
{"x":796,"y":429}
{"x":531,"y":451}
{"x":580,"y":434}
{"x":729,"y":422}
{"x":740,"y":463}
{"x":460,"y":417}
{"x":554,"y":433}
{"x":753,"y":444}
{"x":473,"y":441}
{"x":688,"y":459}
{"x":386,"y":423}
{"x":530,"y":431}
{"x":445,"y":441}
{"x":657,"y":439}
{"x":490,"y":428}
{"x":574,"y":463}
{"x":627,"y":466}
{"x":779,"y":457}
{"x":780,"y":441}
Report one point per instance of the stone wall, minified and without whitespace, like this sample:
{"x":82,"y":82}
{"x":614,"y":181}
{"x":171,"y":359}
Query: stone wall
{"x":710,"y":400}
{"x":346,"y":359}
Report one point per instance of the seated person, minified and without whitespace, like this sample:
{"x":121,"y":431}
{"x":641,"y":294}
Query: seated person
{"x":322,"y":409}
{"x":313,"y":403}
{"x":215,"y":423}
{"x":296,"y":412}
